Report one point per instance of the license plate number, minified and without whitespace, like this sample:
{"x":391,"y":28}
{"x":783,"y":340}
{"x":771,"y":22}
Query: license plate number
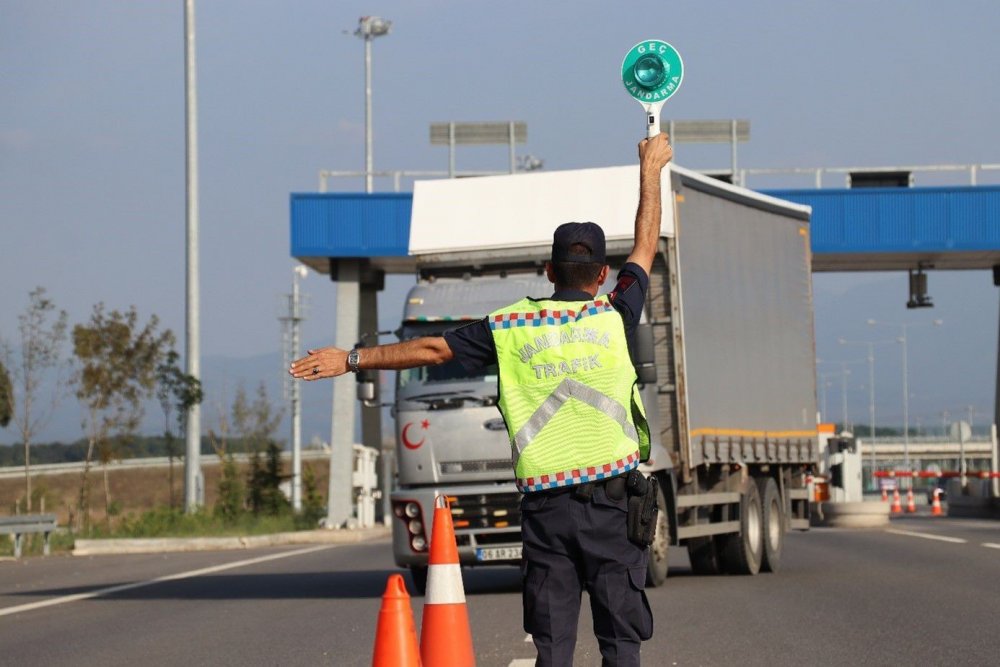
{"x":498,"y":553}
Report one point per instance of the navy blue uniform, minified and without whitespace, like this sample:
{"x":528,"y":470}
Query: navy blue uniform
{"x":575,"y":539}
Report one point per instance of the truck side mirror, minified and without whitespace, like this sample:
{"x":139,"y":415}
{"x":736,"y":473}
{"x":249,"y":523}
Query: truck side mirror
{"x":645,"y":354}
{"x":367,"y":392}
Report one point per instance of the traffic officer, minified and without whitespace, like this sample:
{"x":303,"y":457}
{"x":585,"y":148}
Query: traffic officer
{"x":575,"y":420}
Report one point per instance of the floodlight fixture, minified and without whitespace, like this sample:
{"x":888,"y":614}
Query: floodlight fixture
{"x":370,"y":27}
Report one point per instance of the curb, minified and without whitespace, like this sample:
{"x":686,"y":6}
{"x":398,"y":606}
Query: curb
{"x":182,"y":544}
{"x":866,"y":514}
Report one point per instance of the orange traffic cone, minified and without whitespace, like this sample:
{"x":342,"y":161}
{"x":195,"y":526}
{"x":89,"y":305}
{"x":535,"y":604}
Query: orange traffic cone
{"x":885,"y":495}
{"x":396,"y":636}
{"x":445,"y":637}
{"x":911,"y":505}
{"x":936,"y":505}
{"x":897,"y":508}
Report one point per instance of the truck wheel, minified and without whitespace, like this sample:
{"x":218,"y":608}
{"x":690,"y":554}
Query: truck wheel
{"x":704,"y":555}
{"x":773,"y":523}
{"x":742,"y":552}
{"x":419,"y":576}
{"x":656,"y":573}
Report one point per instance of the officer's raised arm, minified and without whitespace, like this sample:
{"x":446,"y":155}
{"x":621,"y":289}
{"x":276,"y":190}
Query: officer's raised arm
{"x":654,"y":154}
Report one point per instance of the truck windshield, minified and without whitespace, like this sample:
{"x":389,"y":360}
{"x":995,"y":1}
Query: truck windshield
{"x":441,"y":376}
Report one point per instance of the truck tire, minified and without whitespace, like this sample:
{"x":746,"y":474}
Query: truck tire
{"x":742,"y":552}
{"x":773,"y":518}
{"x":656,"y":572}
{"x":704,"y":555}
{"x":418,"y":574}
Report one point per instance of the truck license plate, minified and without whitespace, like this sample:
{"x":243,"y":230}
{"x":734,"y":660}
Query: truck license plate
{"x":498,"y":553}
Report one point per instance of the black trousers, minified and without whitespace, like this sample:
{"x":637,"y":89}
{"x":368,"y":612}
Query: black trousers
{"x":572,"y":543}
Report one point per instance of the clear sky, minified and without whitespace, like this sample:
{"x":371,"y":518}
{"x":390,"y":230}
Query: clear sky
{"x":92,"y":134}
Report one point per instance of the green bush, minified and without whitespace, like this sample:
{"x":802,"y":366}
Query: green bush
{"x":229,"y":507}
{"x":265,"y":496}
{"x":313,"y":505}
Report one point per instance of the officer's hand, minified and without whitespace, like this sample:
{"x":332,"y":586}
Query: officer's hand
{"x":655,"y":153}
{"x":327,"y":362}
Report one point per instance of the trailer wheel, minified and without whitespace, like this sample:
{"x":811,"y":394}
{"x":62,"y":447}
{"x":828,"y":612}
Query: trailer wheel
{"x":703,"y":553}
{"x":773,"y":524}
{"x":656,"y":572}
{"x":743,"y":551}
{"x":419,"y":576}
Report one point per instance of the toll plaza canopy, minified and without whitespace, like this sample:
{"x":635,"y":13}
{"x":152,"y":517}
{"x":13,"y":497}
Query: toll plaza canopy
{"x":356,"y":238}
{"x":867,"y":229}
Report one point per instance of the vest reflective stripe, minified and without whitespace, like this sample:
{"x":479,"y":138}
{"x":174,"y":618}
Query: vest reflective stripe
{"x":567,"y":389}
{"x":579,"y":476}
{"x":547,"y":316}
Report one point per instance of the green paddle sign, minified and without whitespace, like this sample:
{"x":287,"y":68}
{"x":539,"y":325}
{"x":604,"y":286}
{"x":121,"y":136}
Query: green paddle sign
{"x":652,"y":72}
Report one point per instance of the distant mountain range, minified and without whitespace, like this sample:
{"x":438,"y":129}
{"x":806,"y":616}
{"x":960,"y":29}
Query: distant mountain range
{"x":951,"y":366}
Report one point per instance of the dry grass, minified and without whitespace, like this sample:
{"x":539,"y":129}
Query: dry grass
{"x":133,"y":490}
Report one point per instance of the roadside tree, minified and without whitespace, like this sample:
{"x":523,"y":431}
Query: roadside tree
{"x":118,"y":358}
{"x":35,"y":359}
{"x":255,"y":421}
{"x":6,"y":397}
{"x":175,"y":390}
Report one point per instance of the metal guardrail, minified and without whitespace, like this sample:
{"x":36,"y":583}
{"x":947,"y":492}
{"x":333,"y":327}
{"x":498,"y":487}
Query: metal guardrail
{"x":973,"y":171}
{"x":8,"y":472}
{"x":399,"y":174}
{"x":20,"y":524}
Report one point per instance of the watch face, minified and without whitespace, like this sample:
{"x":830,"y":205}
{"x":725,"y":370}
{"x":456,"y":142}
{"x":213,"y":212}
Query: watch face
{"x":353,"y":358}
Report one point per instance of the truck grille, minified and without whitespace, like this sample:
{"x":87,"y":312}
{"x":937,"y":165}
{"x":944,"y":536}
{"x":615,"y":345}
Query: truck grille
{"x":486,"y":465}
{"x":493,"y":510}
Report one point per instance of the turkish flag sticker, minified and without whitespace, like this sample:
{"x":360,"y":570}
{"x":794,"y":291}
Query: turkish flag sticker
{"x":407,"y":439}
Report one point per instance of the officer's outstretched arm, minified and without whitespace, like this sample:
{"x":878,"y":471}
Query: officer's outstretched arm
{"x":330,"y":362}
{"x":654,"y":154}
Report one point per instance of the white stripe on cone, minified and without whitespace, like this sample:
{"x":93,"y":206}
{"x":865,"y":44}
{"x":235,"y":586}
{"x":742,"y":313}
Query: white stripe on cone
{"x":444,"y":584}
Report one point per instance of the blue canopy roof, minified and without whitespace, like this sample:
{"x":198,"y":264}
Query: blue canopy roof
{"x":864,"y":229}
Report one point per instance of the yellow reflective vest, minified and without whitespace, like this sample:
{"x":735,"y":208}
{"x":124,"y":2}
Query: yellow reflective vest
{"x":568,"y":392}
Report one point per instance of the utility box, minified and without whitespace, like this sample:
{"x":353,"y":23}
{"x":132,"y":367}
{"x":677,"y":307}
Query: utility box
{"x":364,"y":483}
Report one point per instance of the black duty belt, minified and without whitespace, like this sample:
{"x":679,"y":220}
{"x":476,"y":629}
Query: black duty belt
{"x":615,"y":487}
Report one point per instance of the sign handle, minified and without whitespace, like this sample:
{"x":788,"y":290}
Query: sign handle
{"x":652,"y":124}
{"x":652,"y":119}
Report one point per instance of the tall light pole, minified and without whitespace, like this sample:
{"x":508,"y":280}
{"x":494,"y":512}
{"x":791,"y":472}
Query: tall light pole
{"x":843,"y":374}
{"x":292,"y":321}
{"x":870,"y":344}
{"x":823,"y":384}
{"x":904,"y":326}
{"x":192,"y":352}
{"x":370,"y":27}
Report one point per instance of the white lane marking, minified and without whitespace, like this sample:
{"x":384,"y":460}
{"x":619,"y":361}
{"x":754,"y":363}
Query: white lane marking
{"x":169,"y":577}
{"x":527,"y":639}
{"x":522,"y":662}
{"x":991,"y":545}
{"x":927,"y":536}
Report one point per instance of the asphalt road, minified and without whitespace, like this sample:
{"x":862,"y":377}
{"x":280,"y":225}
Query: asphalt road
{"x":926,"y":591}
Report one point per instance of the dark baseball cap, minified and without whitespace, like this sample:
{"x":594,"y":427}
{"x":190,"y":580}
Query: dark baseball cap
{"x":587,"y":234}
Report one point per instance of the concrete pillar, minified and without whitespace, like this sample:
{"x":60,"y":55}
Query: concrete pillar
{"x":346,"y":275}
{"x":996,"y":395}
{"x":372,"y":281}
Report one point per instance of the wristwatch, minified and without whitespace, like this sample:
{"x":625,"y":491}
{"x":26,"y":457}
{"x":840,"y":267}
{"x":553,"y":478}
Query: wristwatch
{"x":353,"y":359}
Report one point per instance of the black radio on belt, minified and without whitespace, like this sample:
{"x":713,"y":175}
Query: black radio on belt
{"x":642,"y":507}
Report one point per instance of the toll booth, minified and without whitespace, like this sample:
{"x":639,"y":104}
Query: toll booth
{"x":839,"y":468}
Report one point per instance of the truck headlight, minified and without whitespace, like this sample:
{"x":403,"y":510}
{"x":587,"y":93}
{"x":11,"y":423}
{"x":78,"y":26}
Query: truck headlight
{"x":418,"y":543}
{"x":412,"y":510}
{"x":415,"y":527}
